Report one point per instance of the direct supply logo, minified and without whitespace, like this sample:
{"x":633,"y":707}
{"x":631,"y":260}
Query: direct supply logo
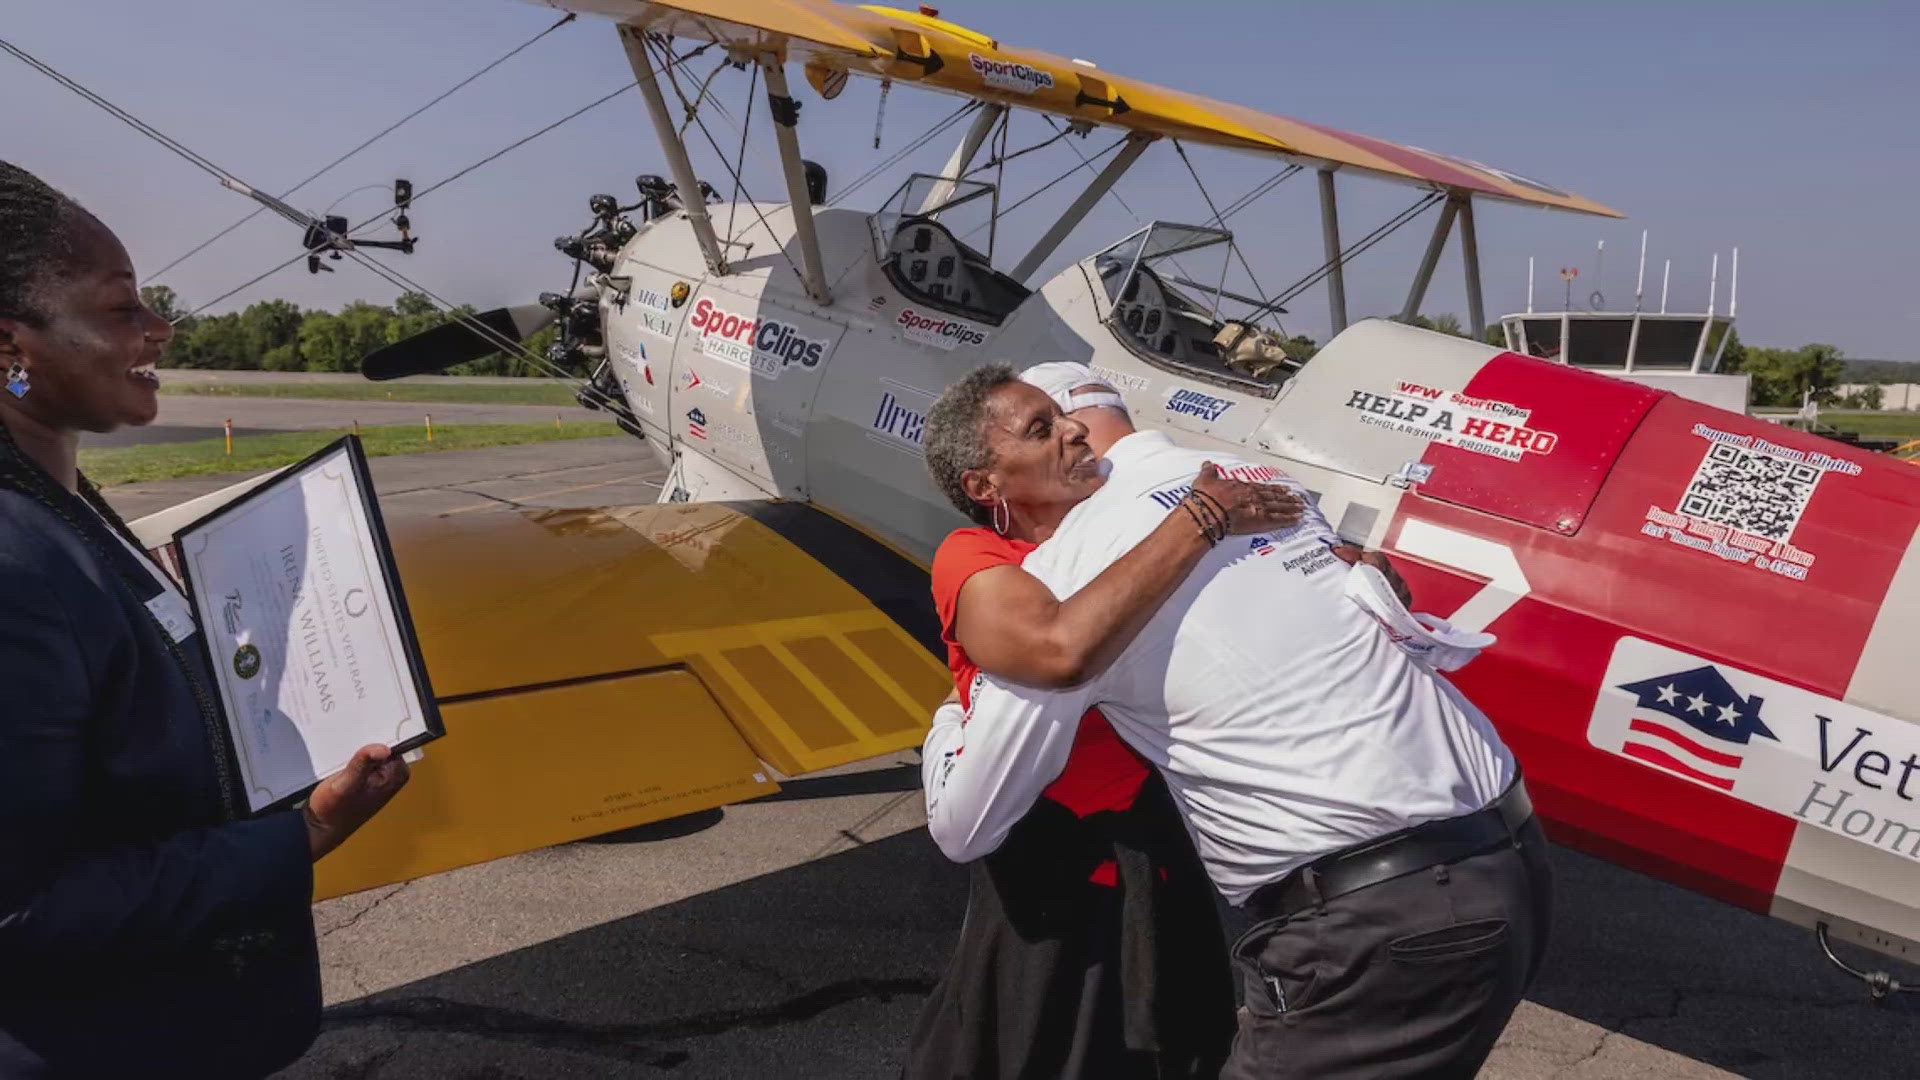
{"x":1197,"y":405}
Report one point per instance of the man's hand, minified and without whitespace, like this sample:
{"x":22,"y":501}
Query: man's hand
{"x":1251,"y":508}
{"x":346,"y":800}
{"x":1379,"y":561}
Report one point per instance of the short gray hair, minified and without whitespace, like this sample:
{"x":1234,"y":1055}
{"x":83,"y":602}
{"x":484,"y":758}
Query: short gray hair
{"x":956,"y":435}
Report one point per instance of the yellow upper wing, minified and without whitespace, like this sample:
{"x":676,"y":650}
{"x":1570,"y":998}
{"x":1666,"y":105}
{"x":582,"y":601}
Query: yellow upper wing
{"x":905,"y":45}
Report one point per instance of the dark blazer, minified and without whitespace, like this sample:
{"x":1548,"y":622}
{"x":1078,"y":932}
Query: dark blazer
{"x":143,"y":930}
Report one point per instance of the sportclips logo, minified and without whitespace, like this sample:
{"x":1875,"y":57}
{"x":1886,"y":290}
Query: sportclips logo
{"x":763,"y":346}
{"x":1005,"y":75}
{"x":938,"y":332}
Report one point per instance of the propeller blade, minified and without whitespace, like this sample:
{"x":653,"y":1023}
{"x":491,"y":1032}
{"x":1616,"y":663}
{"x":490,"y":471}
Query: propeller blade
{"x":454,"y":343}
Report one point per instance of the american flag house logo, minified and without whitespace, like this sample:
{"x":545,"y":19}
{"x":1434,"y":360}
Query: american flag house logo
{"x":696,"y":423}
{"x":1690,"y":723}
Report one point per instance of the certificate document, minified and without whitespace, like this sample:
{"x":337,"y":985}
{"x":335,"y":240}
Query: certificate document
{"x":300,"y":608}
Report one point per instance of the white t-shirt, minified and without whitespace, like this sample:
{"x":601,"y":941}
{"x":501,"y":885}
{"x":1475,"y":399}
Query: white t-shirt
{"x":1286,"y":721}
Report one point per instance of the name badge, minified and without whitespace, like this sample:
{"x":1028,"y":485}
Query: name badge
{"x":171,"y":612}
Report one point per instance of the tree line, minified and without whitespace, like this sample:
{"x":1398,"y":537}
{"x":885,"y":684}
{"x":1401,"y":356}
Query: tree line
{"x":277,"y":335}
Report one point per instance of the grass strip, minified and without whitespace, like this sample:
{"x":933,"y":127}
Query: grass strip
{"x":535,"y":393}
{"x":254,"y":453}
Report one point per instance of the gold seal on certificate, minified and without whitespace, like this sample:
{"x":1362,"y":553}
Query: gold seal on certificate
{"x":305,"y":626}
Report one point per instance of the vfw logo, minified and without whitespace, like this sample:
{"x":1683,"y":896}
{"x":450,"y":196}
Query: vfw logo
{"x":1826,"y":763}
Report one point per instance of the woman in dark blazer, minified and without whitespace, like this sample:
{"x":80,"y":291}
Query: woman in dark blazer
{"x":145,"y":927}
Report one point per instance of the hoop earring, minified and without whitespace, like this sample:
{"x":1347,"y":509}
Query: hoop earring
{"x":18,"y":381}
{"x":998,"y":506}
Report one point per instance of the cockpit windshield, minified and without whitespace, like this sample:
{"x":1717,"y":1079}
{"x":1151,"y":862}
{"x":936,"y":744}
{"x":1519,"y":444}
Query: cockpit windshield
{"x":1170,"y":305}
{"x":925,"y":237}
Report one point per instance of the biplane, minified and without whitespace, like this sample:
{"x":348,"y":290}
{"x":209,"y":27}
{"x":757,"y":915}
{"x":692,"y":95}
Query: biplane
{"x":1706,"y":622}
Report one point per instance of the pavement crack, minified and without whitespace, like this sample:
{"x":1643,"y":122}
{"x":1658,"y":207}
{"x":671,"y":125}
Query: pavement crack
{"x":1677,"y":997}
{"x":484,"y":495}
{"x":365,"y":911}
{"x":640,"y":1043}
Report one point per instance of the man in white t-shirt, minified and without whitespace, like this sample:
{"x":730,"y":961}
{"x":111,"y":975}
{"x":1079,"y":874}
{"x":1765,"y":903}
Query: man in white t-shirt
{"x":1349,"y":797}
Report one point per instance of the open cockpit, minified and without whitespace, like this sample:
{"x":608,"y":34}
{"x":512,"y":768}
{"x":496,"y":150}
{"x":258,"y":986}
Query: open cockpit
{"x":920,"y":237}
{"x":1161,"y":309}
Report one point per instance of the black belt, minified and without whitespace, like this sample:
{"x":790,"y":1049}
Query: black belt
{"x":1432,"y":843}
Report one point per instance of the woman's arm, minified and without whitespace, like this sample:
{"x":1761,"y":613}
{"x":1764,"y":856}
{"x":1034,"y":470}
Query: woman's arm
{"x":1012,"y":625}
{"x":66,"y":896}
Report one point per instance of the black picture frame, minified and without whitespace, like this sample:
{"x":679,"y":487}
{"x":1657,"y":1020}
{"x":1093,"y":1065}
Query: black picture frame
{"x":390,"y":582}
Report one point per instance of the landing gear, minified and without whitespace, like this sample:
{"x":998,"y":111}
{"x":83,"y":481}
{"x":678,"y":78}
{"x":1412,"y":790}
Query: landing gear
{"x":604,"y":393}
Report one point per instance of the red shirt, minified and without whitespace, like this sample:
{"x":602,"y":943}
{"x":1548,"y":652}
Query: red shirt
{"x":1103,"y":772}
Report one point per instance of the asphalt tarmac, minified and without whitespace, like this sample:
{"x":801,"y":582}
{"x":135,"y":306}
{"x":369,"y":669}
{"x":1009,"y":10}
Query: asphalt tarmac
{"x":797,"y":936}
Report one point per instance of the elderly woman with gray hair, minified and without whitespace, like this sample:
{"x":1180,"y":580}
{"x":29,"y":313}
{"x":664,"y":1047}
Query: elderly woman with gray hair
{"x":1091,"y":946}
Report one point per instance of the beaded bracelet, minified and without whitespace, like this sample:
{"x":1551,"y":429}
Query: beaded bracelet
{"x":1205,"y":533}
{"x":1226,"y":519}
{"x":1211,"y":526}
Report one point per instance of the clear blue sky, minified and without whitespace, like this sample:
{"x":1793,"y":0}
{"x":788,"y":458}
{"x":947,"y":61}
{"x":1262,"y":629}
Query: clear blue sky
{"x":1787,"y":129}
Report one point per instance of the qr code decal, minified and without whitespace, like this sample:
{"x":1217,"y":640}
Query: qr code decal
{"x":1756,"y":493}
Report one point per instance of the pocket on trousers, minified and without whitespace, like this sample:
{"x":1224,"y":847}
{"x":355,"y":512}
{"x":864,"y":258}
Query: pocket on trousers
{"x":1455,"y":942}
{"x":1276,"y":967}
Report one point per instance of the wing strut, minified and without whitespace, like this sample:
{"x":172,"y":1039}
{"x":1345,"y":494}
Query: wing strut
{"x":1470,"y":256}
{"x":1137,"y":143}
{"x":786,"y":114}
{"x":1330,"y":233}
{"x":634,"y":40}
{"x":1431,"y":259}
{"x":982,"y":126}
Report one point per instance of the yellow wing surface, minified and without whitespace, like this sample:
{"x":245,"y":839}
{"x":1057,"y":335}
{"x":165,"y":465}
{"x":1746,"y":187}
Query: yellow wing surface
{"x":600,"y":669}
{"x":907,"y":46}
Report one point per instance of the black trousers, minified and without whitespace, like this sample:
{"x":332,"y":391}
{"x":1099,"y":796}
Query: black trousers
{"x":1412,"y":977}
{"x":1057,"y":978}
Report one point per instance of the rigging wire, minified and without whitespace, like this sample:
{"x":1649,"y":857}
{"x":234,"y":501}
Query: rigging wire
{"x":739,"y":184}
{"x":1084,"y":163}
{"x":250,"y":283}
{"x":1258,"y":289}
{"x":999,"y":182}
{"x":417,"y":197}
{"x":700,"y":98}
{"x":388,"y":130}
{"x":1005,"y":157}
{"x":1358,"y":247}
{"x":503,"y":151}
{"x":1255,"y":193}
{"x":900,"y":155}
{"x":134,"y":122}
{"x":1114,"y":193}
{"x":740,"y":162}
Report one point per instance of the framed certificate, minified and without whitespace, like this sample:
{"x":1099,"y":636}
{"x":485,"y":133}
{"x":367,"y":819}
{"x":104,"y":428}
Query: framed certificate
{"x":305,"y":626}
